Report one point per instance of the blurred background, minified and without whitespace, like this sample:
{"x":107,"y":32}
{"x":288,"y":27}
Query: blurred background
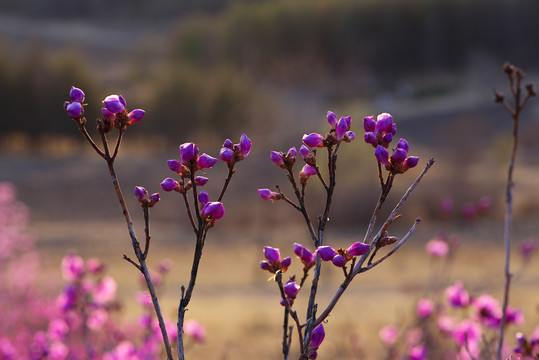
{"x":208,"y":70}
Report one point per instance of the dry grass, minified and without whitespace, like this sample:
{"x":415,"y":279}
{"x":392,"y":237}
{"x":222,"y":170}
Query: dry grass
{"x":240,"y":308}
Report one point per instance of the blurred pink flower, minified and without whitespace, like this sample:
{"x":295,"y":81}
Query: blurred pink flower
{"x":437,"y":248}
{"x":105,"y":290}
{"x":456,"y":295}
{"x":418,"y":353}
{"x":446,"y":204}
{"x":388,"y":335}
{"x":72,"y":267}
{"x":467,"y":333}
{"x":469,"y":211}
{"x":97,"y":318}
{"x":487,"y":310}
{"x":528,"y":247}
{"x":414,"y":336}
{"x":424,"y":309}
{"x":446,"y":324}
{"x":194,"y":329}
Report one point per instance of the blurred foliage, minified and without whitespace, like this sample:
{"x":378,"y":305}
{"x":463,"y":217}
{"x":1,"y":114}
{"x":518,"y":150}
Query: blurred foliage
{"x":232,"y":64}
{"x":321,"y":39}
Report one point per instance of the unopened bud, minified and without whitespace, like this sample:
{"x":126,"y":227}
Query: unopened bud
{"x":531,"y":89}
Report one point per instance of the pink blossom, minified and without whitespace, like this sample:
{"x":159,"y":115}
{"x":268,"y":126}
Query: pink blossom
{"x":457,"y":296}
{"x":467,"y":332}
{"x":487,"y":310}
{"x":425,"y":307}
{"x":105,"y":290}
{"x":437,"y":248}
{"x":72,"y":267}
{"x":388,"y":335}
{"x":194,"y":329}
{"x":446,"y":324}
{"x":97,"y":318}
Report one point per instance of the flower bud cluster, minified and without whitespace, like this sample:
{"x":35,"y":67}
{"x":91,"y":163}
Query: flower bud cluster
{"x":305,"y":255}
{"x":340,"y":257}
{"x":75,"y":107}
{"x":115,"y":113}
{"x":379,"y":133}
{"x":273,"y":262}
{"x":144,"y":198}
{"x":232,"y":153}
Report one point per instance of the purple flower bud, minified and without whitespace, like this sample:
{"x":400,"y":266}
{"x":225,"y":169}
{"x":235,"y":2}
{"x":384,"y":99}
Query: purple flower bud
{"x":74,"y":110}
{"x":72,"y":267}
{"x":332,"y":119}
{"x":267,"y":194}
{"x":203,"y":197}
{"x":393,"y":129}
{"x":76,"y":95}
{"x":245,"y":145}
{"x":411,"y":162}
{"x":398,"y":156}
{"x":187,"y":152}
{"x":370,"y":138}
{"x":226,"y":154}
{"x":342,"y":127}
{"x":313,"y":140}
{"x":215,"y":209}
{"x":201,"y":180}
{"x":175,"y":166}
{"x":386,"y":139}
{"x":317,"y":336}
{"x":349,"y":136}
{"x":326,"y":252}
{"x":369,"y":124}
{"x":169,"y":184}
{"x":154,"y":198}
{"x":291,"y":289}
{"x":277,"y":158}
{"x":141,"y":193}
{"x":308,"y":170}
{"x":114,"y":103}
{"x":264,"y":265}
{"x":304,"y":151}
{"x":339,"y":261}
{"x":403,"y":144}
{"x":292,"y":152}
{"x":272,"y":254}
{"x":382,"y":155}
{"x":135,"y":116}
{"x":228,"y":144}
{"x":384,"y":123}
{"x":307,"y":258}
{"x":357,"y":249}
{"x":107,"y":114}
{"x":206,"y":161}
{"x":285,"y":263}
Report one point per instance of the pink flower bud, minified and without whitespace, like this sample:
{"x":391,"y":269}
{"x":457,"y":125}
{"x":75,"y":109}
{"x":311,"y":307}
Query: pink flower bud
{"x":206,"y":161}
{"x":357,"y":249}
{"x":339,"y":261}
{"x":141,"y":193}
{"x":226,"y":154}
{"x":135,"y":116}
{"x":332,"y":119}
{"x":370,"y":138}
{"x":382,"y":155}
{"x":285,"y":263}
{"x":187,"y":152}
{"x":369,"y":124}
{"x":425,"y":307}
{"x":456,"y":296}
{"x":72,"y":267}
{"x":194,"y":329}
{"x":437,"y":248}
{"x":384,"y":123}
{"x":313,"y":140}
{"x":342,"y":127}
{"x":304,"y":151}
{"x":245,"y":145}
{"x":411,"y":162}
{"x":175,"y":166}
{"x":317,"y":336}
{"x":398,"y":156}
{"x":108,"y":114}
{"x":169,"y":184}
{"x":403,"y":144}
{"x":308,"y":170}
{"x":201,"y":180}
{"x":215,"y":209}
{"x":307,"y":258}
{"x":291,"y":289}
{"x":272,"y":254}
{"x":388,"y":335}
{"x":115,"y":103}
{"x":203,"y":197}
{"x":326,"y":253}
{"x":74,"y":110}
{"x":528,"y":247}
{"x":154,"y":199}
{"x":76,"y":95}
{"x":267,"y":194}
{"x":277,"y":158}
{"x":292,"y":152}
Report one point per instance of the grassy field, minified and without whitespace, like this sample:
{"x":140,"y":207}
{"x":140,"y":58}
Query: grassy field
{"x":240,"y":309}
